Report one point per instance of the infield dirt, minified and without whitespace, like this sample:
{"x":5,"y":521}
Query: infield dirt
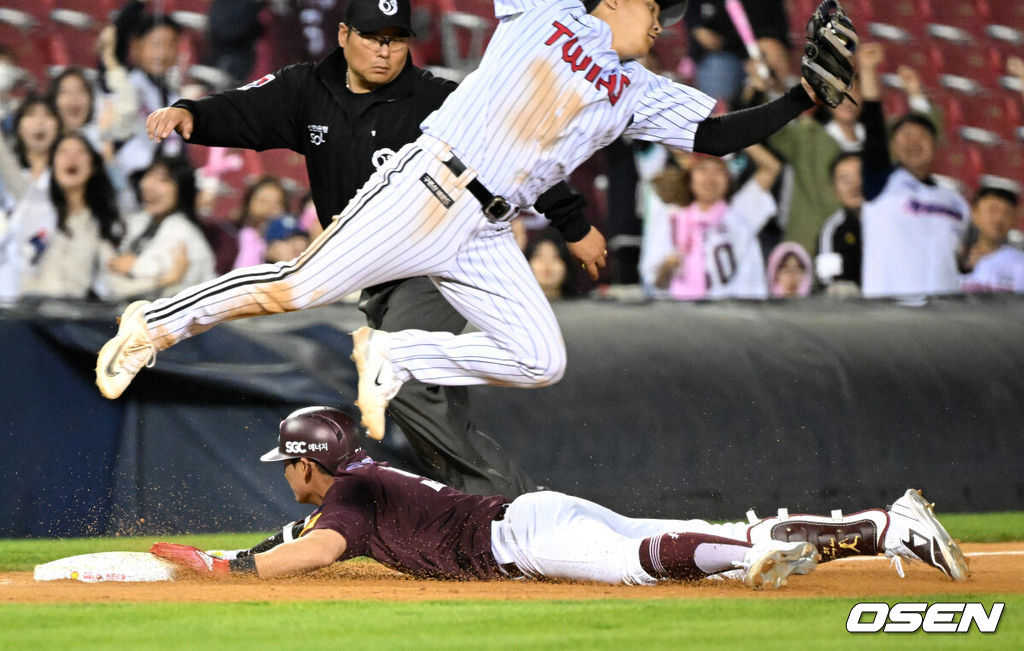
{"x":995,"y":567}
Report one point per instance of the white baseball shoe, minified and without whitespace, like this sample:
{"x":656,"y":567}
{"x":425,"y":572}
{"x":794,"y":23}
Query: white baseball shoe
{"x":127,"y":353}
{"x":916,"y":535}
{"x":768,"y":565}
{"x":377,"y":381}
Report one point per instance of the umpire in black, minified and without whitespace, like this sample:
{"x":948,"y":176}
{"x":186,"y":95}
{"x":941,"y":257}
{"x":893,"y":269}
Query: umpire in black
{"x":346,"y":115}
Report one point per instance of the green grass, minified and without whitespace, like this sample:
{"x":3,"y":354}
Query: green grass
{"x":615,"y":624}
{"x":22,"y":555}
{"x":985,"y":527}
{"x":761,"y":624}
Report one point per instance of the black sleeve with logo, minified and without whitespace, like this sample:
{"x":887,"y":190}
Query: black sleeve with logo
{"x":261,"y":115}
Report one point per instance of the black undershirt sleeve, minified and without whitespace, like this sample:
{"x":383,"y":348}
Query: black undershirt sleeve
{"x":734,"y":131}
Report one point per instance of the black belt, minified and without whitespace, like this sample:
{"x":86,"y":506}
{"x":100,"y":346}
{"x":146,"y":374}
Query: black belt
{"x":496,"y":208}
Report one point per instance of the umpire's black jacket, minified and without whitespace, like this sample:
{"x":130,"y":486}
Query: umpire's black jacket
{"x":307,"y":108}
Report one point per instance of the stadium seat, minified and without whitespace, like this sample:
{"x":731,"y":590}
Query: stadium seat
{"x":39,"y":10}
{"x":962,"y":14}
{"x":925,"y":60}
{"x":959,"y":160}
{"x":860,"y":10}
{"x":29,"y":46}
{"x":463,"y":39}
{"x":482,"y":8}
{"x":99,"y":10}
{"x":909,"y":15}
{"x":981,"y":63}
{"x":1005,"y":160}
{"x":1005,"y":12}
{"x":74,"y":35}
{"x":996,"y":112}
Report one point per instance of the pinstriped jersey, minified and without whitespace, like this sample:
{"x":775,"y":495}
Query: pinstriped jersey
{"x":549,"y":92}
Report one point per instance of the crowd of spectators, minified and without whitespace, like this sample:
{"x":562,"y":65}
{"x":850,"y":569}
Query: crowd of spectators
{"x":844,"y":202}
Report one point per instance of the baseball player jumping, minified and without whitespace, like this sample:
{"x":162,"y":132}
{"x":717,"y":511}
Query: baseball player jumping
{"x":558,"y":82}
{"x":424,"y":528}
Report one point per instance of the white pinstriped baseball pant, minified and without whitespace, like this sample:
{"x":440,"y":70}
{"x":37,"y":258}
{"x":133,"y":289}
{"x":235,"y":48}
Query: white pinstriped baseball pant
{"x":395,"y":227}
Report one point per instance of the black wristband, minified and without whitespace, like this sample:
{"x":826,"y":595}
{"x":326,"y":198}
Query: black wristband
{"x":243,"y":565}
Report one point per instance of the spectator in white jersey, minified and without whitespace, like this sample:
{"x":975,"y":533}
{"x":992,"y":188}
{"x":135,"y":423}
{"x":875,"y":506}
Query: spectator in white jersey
{"x":558,"y":82}
{"x":148,"y":44}
{"x":912,"y":226}
{"x":717,"y":253}
{"x":990,"y":262}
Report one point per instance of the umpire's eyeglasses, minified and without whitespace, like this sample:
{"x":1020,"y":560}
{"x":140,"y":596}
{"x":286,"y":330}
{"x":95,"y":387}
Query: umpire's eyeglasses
{"x":376,"y":42}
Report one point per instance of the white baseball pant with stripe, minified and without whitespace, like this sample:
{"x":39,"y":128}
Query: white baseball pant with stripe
{"x":558,"y":536}
{"x":397,"y":227}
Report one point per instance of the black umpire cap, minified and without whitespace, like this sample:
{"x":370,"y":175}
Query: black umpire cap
{"x":372,"y":16}
{"x":325,"y":435}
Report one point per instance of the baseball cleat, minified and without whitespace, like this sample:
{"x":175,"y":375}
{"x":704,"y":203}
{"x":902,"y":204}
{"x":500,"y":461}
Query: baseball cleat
{"x":767,"y":565}
{"x":916,"y":535}
{"x":127,"y":353}
{"x":377,"y":381}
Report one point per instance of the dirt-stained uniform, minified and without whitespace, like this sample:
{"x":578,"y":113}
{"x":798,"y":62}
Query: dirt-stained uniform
{"x":345,"y":138}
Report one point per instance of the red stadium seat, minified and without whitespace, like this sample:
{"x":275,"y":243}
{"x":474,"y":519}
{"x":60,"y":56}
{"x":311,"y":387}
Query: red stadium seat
{"x":1005,"y":160}
{"x":860,"y":11}
{"x":964,"y":14}
{"x":100,"y":10}
{"x":959,"y":160}
{"x":74,"y":38}
{"x":910,"y":15}
{"x":1005,"y":12}
{"x":482,"y":8}
{"x":38,"y":9}
{"x":925,"y":60}
{"x":996,"y":112}
{"x":979,"y":62}
{"x":30,"y":49}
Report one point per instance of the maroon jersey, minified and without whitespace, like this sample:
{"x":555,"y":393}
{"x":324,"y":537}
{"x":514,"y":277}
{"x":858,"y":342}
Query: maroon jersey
{"x":410,"y":523}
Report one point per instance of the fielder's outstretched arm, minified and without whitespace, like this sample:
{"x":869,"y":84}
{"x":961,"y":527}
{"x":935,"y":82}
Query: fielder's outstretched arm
{"x":734,"y":131}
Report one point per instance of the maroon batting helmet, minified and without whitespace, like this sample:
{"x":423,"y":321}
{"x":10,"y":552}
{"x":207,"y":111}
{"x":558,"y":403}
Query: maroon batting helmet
{"x":322,"y":434}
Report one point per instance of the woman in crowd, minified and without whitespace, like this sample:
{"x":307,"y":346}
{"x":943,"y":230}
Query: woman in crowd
{"x":264,"y":201}
{"x":25,"y":169}
{"x":552,"y":265}
{"x":163,"y":249}
{"x":73,"y":96}
{"x":84,"y":202}
{"x":717,"y":253}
